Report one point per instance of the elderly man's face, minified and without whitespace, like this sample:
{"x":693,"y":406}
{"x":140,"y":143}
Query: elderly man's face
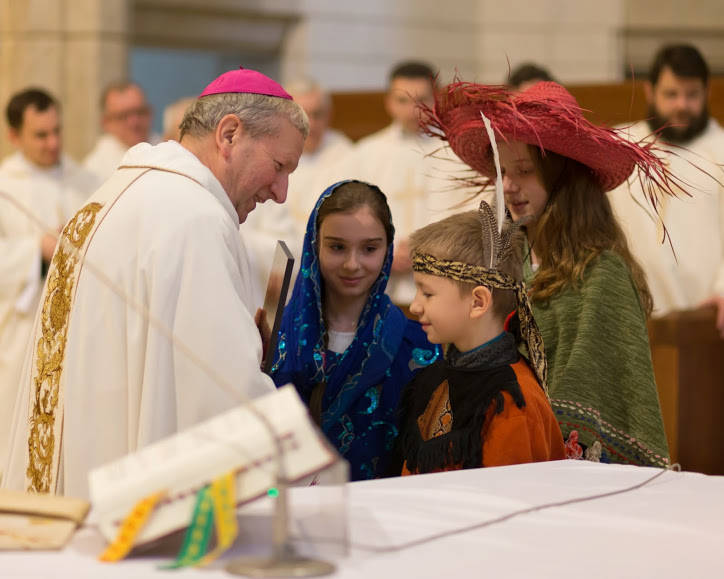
{"x":313,"y":104}
{"x":38,"y":138}
{"x":258,"y":168}
{"x":127,"y":116}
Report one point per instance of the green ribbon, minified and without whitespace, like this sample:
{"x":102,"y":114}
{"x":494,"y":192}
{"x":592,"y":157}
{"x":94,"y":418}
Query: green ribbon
{"x":197,"y":536}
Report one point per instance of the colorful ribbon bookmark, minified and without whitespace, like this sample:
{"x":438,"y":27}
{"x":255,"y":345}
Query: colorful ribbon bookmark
{"x":223,"y":492}
{"x":130,"y":527}
{"x":198,"y":533}
{"x":216,"y":501}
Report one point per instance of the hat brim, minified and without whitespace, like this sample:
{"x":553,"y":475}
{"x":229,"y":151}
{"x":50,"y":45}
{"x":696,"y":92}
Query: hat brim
{"x":544,"y":116}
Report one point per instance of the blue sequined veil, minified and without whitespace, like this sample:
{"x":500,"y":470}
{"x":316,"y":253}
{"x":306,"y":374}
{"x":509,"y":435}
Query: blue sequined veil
{"x":363,"y":384}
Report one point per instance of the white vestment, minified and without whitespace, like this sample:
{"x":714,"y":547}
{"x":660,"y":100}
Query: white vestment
{"x":288,"y":221}
{"x":105,"y":157}
{"x":52,"y":196}
{"x":695,"y":224}
{"x":417,"y":174}
{"x":170,"y":246}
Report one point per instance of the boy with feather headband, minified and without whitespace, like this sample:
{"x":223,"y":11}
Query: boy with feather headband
{"x":484,"y":404}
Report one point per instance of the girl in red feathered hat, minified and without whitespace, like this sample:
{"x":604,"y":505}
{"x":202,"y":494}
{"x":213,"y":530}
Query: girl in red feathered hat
{"x":590,"y":297}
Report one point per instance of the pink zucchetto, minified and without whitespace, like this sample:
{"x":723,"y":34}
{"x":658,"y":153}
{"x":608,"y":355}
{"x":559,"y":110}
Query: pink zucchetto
{"x":248,"y":81}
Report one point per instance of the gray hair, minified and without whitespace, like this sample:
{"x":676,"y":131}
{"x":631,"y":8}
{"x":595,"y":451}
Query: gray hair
{"x":257,"y":113}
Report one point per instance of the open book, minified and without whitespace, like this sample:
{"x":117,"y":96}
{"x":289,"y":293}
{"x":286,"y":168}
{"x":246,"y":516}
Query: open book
{"x":181,"y":465}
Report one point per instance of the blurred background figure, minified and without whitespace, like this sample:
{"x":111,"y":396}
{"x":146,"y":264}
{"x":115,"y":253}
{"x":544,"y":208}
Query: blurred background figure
{"x":692,"y":275}
{"x":323,"y":150}
{"x":527,"y":74}
{"x":411,"y":84}
{"x":415,"y":171}
{"x":126,"y":119}
{"x":173,"y":114}
{"x":51,"y":186}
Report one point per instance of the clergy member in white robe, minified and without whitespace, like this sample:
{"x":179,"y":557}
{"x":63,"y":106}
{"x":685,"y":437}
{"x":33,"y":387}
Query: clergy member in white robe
{"x":44,"y":189}
{"x":146,"y":325}
{"x":324,"y":150}
{"x":693,"y":274}
{"x":126,"y":117}
{"x":105,"y":157}
{"x":694,"y":271}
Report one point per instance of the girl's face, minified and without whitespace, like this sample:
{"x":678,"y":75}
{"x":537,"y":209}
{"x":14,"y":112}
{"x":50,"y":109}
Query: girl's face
{"x":522,"y":186}
{"x":352,"y":251}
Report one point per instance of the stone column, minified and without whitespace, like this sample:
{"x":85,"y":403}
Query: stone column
{"x":72,"y":48}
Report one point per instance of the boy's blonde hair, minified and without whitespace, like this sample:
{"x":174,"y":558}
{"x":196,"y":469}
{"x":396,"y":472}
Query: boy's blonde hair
{"x":459,"y":238}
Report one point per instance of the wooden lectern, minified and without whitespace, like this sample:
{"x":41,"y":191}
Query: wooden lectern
{"x":688,"y":357}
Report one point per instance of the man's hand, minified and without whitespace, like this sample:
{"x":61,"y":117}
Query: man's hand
{"x":402,"y":262}
{"x":47,"y":246}
{"x":264,"y":331}
{"x":718,"y":303}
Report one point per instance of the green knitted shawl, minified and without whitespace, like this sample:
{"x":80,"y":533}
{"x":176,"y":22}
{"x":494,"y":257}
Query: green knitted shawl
{"x":600,"y":376}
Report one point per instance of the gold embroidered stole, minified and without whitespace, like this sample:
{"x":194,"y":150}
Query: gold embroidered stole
{"x":46,"y":408}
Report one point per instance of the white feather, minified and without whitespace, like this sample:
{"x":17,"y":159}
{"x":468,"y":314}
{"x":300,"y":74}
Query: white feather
{"x":499,"y":199}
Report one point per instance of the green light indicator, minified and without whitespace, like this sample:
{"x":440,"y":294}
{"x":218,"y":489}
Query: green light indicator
{"x":273,"y":492}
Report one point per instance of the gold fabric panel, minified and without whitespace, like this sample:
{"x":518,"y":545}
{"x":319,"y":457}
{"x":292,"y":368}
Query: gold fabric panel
{"x":50,"y":349}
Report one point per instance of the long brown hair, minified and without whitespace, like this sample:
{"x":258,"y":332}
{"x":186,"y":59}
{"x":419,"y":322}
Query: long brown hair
{"x":577,"y":226}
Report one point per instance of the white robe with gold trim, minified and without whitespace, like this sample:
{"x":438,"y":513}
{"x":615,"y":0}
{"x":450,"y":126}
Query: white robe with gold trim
{"x":51,"y":195}
{"x":170,"y":244}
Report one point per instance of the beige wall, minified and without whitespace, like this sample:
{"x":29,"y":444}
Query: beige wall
{"x":70,"y":48}
{"x":351,"y":45}
{"x":578,"y":41}
{"x":75,"y":47}
{"x":650,"y":23}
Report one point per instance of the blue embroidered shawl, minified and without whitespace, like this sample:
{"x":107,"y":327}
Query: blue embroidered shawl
{"x":363,"y":384}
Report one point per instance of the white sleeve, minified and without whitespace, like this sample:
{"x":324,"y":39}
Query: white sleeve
{"x":19,"y":266}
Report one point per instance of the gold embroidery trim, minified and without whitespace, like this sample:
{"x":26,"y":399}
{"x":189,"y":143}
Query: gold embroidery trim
{"x":51,"y":346}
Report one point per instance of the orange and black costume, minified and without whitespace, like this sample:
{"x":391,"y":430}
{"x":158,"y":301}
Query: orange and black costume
{"x":477,"y":409}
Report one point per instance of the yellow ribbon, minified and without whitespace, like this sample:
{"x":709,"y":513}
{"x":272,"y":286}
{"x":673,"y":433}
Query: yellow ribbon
{"x":223,"y":492}
{"x":130,"y":527}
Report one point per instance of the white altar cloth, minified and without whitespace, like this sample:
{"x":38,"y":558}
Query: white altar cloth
{"x":672,"y":527}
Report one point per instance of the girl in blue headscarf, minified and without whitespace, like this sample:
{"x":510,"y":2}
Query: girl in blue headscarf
{"x":344,"y":345}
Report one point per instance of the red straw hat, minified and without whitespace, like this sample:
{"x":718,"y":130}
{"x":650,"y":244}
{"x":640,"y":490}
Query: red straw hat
{"x":547,"y":116}
{"x":248,"y":81}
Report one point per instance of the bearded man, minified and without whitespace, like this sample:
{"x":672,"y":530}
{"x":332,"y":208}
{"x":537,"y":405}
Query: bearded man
{"x":693,"y":274}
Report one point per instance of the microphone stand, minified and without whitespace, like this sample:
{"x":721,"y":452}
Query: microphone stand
{"x":284,"y":560}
